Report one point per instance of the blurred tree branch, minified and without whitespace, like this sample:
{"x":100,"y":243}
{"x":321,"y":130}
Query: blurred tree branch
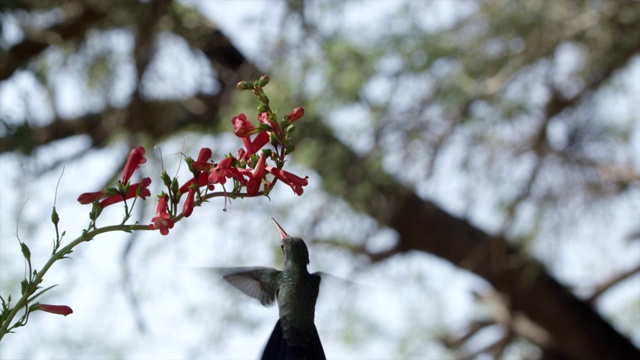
{"x":526,"y":288}
{"x":78,"y":19}
{"x":423,"y":226}
{"x":604,"y":287}
{"x":156,"y":118}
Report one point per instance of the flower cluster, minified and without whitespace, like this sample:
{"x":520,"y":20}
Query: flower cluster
{"x":254,"y":169}
{"x":247,"y":168}
{"x":125,"y":190}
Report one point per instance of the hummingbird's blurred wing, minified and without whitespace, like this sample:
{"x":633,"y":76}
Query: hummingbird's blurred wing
{"x":258,"y":282}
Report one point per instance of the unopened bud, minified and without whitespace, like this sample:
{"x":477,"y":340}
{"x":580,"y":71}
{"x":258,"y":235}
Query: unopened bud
{"x":189,"y":160}
{"x":25,"y":251}
{"x":175,"y":187}
{"x":296,"y":114}
{"x":264,"y":80}
{"x":96,"y":209}
{"x":54,"y":217}
{"x":273,"y":139}
{"x":244,"y":85}
{"x":112,"y":191}
{"x":267,"y":152}
{"x":166,"y":179}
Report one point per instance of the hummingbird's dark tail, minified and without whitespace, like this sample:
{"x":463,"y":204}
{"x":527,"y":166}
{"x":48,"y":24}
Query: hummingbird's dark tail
{"x":278,"y":349}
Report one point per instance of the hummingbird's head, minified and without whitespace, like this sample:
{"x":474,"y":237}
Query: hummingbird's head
{"x":294,"y":249}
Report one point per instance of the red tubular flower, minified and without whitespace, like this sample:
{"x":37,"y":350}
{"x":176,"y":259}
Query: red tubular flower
{"x":204,"y":155}
{"x":88,"y":198}
{"x":240,"y":154}
{"x":242,"y":127}
{"x":254,"y":146}
{"x":162,"y":221}
{"x":202,"y":163}
{"x":224,"y":170}
{"x":203,"y":179}
{"x":185,"y":187}
{"x":187,"y":209}
{"x":295,"y":114}
{"x":131,"y":193}
{"x":55,"y":309}
{"x":201,"y":166}
{"x":136,"y":158}
{"x":259,"y":142}
{"x":258,"y":171}
{"x":290,"y":179}
{"x":246,"y":141}
{"x":253,"y":185}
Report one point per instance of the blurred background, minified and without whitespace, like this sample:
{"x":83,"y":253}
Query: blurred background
{"x":474,"y":173}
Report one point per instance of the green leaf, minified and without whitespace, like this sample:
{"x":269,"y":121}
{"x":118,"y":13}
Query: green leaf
{"x":24,"y":284}
{"x":289,"y":149}
{"x":25,"y":251}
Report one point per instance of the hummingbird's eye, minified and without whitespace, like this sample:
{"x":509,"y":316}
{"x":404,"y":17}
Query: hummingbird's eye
{"x":282,"y":247}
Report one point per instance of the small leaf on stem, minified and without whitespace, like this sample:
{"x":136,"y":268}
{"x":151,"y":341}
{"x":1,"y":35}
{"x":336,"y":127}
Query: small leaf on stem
{"x":54,"y":216}
{"x":25,"y":251}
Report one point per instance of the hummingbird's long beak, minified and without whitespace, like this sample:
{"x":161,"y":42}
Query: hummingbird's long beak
{"x":283,"y":234}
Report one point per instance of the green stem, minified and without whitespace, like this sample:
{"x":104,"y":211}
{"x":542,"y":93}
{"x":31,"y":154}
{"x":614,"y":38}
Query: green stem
{"x":60,"y":254}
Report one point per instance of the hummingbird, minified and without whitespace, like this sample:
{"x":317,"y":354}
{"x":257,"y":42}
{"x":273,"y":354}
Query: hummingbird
{"x":295,"y":335}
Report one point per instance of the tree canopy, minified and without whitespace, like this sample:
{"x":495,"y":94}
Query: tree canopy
{"x":502,"y":137}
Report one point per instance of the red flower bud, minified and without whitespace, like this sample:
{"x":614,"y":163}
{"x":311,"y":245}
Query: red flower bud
{"x":136,"y":158}
{"x":88,"y":198}
{"x":55,"y":309}
{"x":295,"y":114}
{"x":187,"y":209}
